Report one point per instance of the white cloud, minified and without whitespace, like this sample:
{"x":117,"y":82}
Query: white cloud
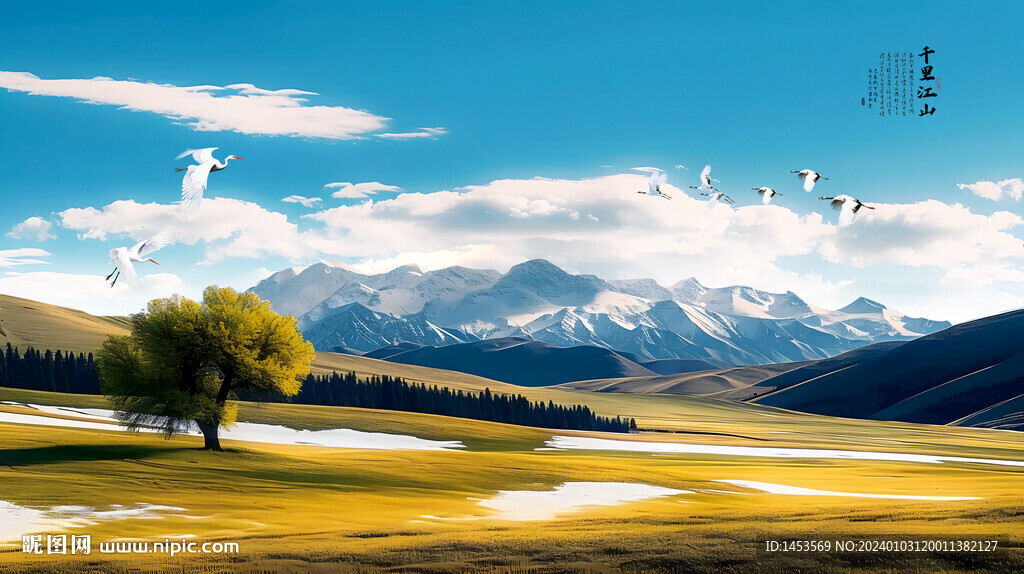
{"x":24,"y":256}
{"x":601,"y":226}
{"x":33,"y":228}
{"x":647,"y":169}
{"x":1011,"y":188}
{"x":681,"y":166}
{"x":348,"y":190}
{"x":89,"y":292}
{"x":306,"y":201}
{"x":431,"y":133}
{"x":921,"y":258}
{"x":229,"y":228}
{"x":242,"y":108}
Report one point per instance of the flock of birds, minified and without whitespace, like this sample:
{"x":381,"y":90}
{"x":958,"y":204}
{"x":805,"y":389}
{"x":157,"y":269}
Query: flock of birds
{"x":846,"y":205}
{"x":193,"y":185}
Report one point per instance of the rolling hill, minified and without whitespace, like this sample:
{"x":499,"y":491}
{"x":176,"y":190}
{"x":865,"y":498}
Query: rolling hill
{"x":25,"y":323}
{"x":972,"y":373}
{"x":523,"y":361}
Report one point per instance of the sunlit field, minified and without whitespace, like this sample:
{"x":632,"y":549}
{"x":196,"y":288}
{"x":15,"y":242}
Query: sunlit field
{"x":305,"y":508}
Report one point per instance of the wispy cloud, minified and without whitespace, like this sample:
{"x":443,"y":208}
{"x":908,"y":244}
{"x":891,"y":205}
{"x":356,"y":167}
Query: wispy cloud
{"x":422,"y":133}
{"x":33,"y":229}
{"x":348,"y":190}
{"x":12,"y":257}
{"x":1011,"y":188}
{"x":242,"y":108}
{"x":306,"y":201}
{"x":647,"y":169}
{"x":681,"y":166}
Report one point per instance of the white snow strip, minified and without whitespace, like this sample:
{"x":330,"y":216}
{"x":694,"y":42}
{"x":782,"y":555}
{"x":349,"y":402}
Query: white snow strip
{"x":783,"y":489}
{"x":16,"y":521}
{"x":586,"y":443}
{"x":244,"y":432}
{"x":519,"y":505}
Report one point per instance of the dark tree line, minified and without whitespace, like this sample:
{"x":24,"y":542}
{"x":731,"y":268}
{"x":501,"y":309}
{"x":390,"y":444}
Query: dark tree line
{"x":68,"y":373}
{"x":392,"y":393}
{"x":48,"y":371}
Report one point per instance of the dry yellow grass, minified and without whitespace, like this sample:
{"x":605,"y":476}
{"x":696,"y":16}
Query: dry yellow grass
{"x":316,"y":509}
{"x":30,"y":323}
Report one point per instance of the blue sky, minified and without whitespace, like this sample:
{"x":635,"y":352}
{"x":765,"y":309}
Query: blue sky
{"x":525,"y":90}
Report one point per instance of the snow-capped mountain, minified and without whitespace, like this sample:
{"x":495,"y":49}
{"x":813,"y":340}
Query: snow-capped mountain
{"x":339,"y":308}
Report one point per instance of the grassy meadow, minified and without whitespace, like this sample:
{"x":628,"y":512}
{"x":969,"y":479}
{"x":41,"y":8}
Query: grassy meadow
{"x":306,"y":508}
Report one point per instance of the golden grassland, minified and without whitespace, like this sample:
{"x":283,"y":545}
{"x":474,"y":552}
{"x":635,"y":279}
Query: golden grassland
{"x":297,"y":508}
{"x":27,"y":323}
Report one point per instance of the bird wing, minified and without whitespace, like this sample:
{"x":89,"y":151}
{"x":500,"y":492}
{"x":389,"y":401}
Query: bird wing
{"x":662,"y":177}
{"x":838,"y":202}
{"x":705,"y":176}
{"x":199,"y":155}
{"x":194,"y":184}
{"x":766,"y":198}
{"x":124,"y":265}
{"x":652,"y":183}
{"x":848,"y":214}
{"x":158,"y":241}
{"x":808,"y":182}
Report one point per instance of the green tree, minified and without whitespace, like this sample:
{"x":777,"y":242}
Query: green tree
{"x":184,"y":360}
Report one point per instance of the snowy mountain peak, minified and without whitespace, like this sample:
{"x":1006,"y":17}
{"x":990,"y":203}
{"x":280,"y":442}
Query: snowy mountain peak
{"x":735,"y":325}
{"x":863,"y":306}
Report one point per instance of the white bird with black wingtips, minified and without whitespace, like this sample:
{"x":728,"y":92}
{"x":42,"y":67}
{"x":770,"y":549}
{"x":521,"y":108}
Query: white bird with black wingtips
{"x":194,"y":183}
{"x":654,"y":184}
{"x":766,"y":194}
{"x":705,"y":180}
{"x":123,"y":257}
{"x":847,"y":208}
{"x":808,"y":176}
{"x":715,"y":196}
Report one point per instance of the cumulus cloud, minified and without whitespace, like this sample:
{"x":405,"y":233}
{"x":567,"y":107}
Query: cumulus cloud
{"x":33,"y":228}
{"x":89,"y":292}
{"x":600,"y":226}
{"x":422,"y":133}
{"x":348,"y":190}
{"x":242,"y":108}
{"x":24,"y":256}
{"x":921,"y":258}
{"x":1011,"y":188}
{"x":229,"y":228}
{"x":306,"y":201}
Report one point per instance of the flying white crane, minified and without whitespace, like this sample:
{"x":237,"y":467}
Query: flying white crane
{"x":194,"y":183}
{"x":714,"y":196}
{"x":654,"y":184}
{"x":123,"y":257}
{"x":808,"y":176}
{"x":847,"y":208}
{"x":766,"y":194}
{"x":705,"y":180}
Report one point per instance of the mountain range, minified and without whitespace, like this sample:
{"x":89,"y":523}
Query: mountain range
{"x":342,"y":310}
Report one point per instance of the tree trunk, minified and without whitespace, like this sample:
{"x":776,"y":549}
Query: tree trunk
{"x":210,"y":435}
